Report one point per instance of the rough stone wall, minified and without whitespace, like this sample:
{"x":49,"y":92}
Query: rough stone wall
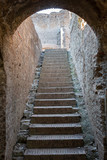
{"x":48,"y":27}
{"x":12,"y":13}
{"x":21,"y":52}
{"x":2,"y":109}
{"x":89,"y":67}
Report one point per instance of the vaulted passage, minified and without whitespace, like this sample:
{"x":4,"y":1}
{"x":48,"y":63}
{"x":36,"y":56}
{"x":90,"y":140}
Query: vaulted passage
{"x":55,"y":129}
{"x":20,"y":50}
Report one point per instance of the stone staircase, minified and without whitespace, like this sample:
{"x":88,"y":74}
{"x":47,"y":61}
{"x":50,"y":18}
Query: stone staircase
{"x":55,"y":129}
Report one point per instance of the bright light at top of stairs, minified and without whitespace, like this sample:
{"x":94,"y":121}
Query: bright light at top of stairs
{"x":48,"y":11}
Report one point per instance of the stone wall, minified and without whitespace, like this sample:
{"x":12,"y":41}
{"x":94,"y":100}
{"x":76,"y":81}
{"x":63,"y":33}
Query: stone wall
{"x":2,"y":109}
{"x":21,"y":52}
{"x":48,"y":27}
{"x":89,"y":64}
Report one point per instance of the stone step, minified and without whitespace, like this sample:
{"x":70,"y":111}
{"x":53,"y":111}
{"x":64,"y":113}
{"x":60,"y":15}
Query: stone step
{"x":56,"y":50}
{"x":56,"y":66}
{"x":55,"y":110}
{"x":55,"y":95}
{"x":55,"y":89}
{"x":56,"y":60}
{"x":55,"y":141}
{"x":57,"y":84}
{"x":55,"y":118}
{"x":55,"y":154}
{"x":56,"y":70}
{"x":55,"y":57}
{"x":55,"y":53}
{"x":54,"y":129}
{"x":51,"y":81}
{"x":60,"y":56}
{"x":55,"y":102}
{"x":44,"y":75}
{"x":60,"y":60}
{"x":55,"y":63}
{"x":55,"y":79}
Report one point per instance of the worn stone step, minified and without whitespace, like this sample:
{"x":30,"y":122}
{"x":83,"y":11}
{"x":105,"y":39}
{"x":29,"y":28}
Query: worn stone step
{"x":55,"y":54}
{"x":55,"y":79}
{"x":55,"y":118}
{"x":55,"y":102}
{"x":57,"y":84}
{"x":56,"y":70}
{"x":57,"y":58}
{"x":56,"y":50}
{"x":59,"y":51}
{"x":55,"y":153}
{"x":60,"y":74}
{"x":55,"y":64}
{"x":53,"y":61}
{"x":55,"y":110}
{"x":50,"y":76}
{"x":62,"y":69}
{"x":55,"y":95}
{"x":55,"y":141}
{"x":55,"y":75}
{"x":55,"y":89}
{"x":54,"y":129}
{"x":50,"y":51}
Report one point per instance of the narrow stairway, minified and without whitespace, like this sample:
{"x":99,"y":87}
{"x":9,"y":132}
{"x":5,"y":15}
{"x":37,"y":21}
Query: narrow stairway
{"x":55,"y":130}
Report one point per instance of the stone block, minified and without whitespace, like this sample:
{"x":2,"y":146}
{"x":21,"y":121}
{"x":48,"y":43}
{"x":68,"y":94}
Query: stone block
{"x":27,"y":114}
{"x":22,"y":136}
{"x":19,"y":150}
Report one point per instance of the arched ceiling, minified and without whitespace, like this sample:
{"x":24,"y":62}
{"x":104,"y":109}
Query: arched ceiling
{"x":13,"y":12}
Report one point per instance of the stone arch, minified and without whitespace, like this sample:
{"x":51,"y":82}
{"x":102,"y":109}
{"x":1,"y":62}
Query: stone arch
{"x":13,"y":13}
{"x":95,"y":13}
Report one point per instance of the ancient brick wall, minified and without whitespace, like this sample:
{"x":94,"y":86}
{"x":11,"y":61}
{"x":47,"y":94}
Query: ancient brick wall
{"x":90,"y":70}
{"x":48,"y":27}
{"x":21,"y":52}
